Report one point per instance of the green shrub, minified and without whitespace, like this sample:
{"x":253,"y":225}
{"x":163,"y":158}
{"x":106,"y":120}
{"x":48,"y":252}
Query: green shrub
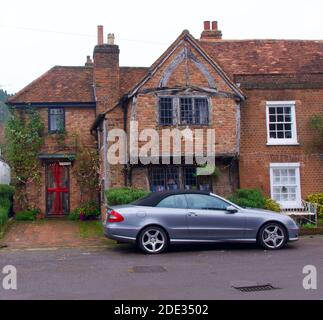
{"x":118,"y":196}
{"x":6,"y":192}
{"x":27,"y":215}
{"x":74,"y":215}
{"x":318,"y":199}
{"x":308,"y":226}
{"x":272,"y":205}
{"x":3,"y":216}
{"x":251,"y":198}
{"x":89,"y":209}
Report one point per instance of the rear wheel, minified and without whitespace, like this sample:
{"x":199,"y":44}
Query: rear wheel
{"x":152,"y":240}
{"x":272,"y":236}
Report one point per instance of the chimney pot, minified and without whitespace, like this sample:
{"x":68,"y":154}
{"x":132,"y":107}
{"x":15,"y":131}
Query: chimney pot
{"x":111,"y":38}
{"x":89,"y":61}
{"x":214,"y":25}
{"x":207,"y":25}
{"x":100,"y":35}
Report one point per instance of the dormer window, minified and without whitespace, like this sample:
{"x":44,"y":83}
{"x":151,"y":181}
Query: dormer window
{"x":183,"y":111}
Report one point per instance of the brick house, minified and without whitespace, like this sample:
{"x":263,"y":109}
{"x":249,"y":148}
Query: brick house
{"x":257,"y":96}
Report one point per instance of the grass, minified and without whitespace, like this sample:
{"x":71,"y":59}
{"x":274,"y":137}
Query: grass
{"x":320,"y":222}
{"x":91,"y":229}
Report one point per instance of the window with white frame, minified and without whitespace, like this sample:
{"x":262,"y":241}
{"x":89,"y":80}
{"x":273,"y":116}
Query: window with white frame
{"x":285,"y":184}
{"x":281,"y":122}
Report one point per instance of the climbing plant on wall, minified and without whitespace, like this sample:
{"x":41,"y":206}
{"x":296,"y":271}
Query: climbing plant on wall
{"x":87,"y":170}
{"x":24,"y":138}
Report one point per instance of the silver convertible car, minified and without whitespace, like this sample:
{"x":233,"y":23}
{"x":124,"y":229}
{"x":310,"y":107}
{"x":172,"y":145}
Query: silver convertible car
{"x":170,"y":217}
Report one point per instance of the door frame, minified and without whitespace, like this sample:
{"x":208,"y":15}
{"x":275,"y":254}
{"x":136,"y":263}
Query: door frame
{"x":46,"y":186}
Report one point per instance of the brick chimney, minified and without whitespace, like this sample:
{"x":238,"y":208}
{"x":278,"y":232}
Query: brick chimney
{"x":211,"y":32}
{"x":106,"y":73}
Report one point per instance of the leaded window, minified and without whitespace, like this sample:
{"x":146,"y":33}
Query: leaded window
{"x":166,"y":111}
{"x":190,"y":178}
{"x":183,"y":110}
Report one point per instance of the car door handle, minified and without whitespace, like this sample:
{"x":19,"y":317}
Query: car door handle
{"x":192,"y":214}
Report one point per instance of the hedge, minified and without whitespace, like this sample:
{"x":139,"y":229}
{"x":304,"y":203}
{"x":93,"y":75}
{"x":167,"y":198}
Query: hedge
{"x":118,"y":196}
{"x":6,"y":192}
{"x":251,"y":198}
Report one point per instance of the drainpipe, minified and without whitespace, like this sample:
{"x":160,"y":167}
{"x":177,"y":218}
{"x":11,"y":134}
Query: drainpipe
{"x":126,"y":166}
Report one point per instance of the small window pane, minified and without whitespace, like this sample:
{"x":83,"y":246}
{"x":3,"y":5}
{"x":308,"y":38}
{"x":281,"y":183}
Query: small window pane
{"x":166,"y":111}
{"x":186,"y":110}
{"x":201,"y":111}
{"x":190,"y":181}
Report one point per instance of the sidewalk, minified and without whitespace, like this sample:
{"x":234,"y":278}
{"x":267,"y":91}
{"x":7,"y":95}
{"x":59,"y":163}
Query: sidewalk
{"x":51,"y":233}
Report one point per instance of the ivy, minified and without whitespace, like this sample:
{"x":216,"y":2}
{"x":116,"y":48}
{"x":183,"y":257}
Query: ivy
{"x":24,"y":137}
{"x":87,"y":170}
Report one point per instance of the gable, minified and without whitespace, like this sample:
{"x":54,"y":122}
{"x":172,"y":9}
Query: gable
{"x":186,"y":65}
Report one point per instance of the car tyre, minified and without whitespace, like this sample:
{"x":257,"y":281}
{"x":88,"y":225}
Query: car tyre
{"x":153,"y":240}
{"x":272,"y":236}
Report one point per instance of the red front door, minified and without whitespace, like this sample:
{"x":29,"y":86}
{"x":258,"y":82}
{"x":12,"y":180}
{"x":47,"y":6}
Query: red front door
{"x":57,"y":189}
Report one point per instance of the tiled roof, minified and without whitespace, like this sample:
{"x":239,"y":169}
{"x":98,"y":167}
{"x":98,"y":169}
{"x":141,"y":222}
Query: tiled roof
{"x":235,"y":57}
{"x":130,"y":76}
{"x":266,"y":56}
{"x":280,"y":81}
{"x":72,"y":84}
{"x":59,"y":84}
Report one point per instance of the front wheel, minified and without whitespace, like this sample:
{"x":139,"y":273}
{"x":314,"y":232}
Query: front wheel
{"x":272,"y":236}
{"x":153,"y":240}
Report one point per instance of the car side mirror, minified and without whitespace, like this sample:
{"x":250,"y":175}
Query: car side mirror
{"x":231,"y":209}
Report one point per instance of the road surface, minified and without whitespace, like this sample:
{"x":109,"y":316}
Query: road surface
{"x":185,"y":272}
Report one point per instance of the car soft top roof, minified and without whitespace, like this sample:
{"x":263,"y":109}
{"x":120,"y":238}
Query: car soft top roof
{"x":155,"y":197}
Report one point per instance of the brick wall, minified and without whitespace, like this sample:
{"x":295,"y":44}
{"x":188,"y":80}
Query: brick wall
{"x":256,"y":156}
{"x":77,"y":124}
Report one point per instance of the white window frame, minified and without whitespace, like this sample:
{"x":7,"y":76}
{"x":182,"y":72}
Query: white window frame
{"x":287,"y":165}
{"x":282,"y":141}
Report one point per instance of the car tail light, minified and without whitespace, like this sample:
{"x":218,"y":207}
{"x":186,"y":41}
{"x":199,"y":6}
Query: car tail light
{"x":114,"y":216}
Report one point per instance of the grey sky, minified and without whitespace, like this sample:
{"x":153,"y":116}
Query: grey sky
{"x":36,"y":35}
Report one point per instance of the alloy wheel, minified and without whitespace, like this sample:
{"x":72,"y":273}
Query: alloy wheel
{"x":153,"y":240}
{"x":273,"y":236}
